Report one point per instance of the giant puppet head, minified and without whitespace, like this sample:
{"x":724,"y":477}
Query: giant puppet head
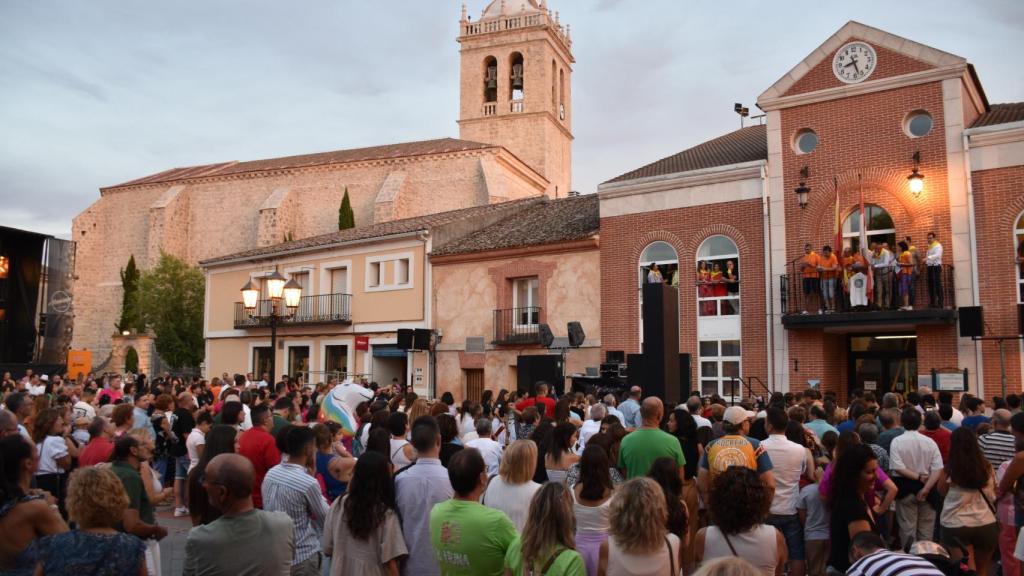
{"x":340,"y":406}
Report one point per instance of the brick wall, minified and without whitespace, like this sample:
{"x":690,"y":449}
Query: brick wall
{"x":889,"y":64}
{"x":999,"y":202}
{"x":623,"y":238}
{"x":864,"y":135}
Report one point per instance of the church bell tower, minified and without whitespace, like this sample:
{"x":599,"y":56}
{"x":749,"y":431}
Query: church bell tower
{"x":515,"y":85}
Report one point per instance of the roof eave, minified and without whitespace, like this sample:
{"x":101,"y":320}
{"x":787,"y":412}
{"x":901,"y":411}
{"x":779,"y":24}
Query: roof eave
{"x":235,"y":259}
{"x":714,"y":174}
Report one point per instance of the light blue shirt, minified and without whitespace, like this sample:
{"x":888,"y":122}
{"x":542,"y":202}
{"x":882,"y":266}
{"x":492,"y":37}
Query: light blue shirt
{"x":141,"y":420}
{"x":630,"y":409}
{"x":417,"y":489}
{"x":612,"y":411}
{"x":290,"y":489}
{"x":819,"y":427}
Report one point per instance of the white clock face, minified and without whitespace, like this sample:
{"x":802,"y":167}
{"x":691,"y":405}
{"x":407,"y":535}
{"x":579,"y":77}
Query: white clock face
{"x":854,"y":62}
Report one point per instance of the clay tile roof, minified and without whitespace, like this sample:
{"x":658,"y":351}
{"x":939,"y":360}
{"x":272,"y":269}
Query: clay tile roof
{"x":548,"y":222}
{"x":744,"y":145}
{"x":420,"y":148}
{"x":373,"y":231}
{"x":1001,"y":114}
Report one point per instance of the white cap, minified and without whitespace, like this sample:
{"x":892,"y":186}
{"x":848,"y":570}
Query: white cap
{"x":44,"y":378}
{"x":737,"y":415}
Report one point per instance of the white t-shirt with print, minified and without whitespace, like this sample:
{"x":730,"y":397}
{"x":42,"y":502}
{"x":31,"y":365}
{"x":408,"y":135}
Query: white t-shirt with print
{"x":195,"y":439}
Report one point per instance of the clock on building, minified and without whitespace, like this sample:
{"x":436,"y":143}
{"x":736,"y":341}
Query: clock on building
{"x":854,"y":62}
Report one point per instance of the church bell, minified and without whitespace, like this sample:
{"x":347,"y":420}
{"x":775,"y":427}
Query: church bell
{"x":517,"y":76}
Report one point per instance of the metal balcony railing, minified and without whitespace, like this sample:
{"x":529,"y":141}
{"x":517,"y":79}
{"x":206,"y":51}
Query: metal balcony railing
{"x":885,"y":295}
{"x":320,"y":309}
{"x":517,"y":325}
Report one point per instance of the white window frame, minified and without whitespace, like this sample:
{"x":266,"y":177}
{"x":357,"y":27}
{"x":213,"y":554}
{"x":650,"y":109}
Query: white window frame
{"x":529,"y":295}
{"x":381,"y":261}
{"x":350,"y":352}
{"x":849,"y":236}
{"x":724,"y":390}
{"x":326,"y":268}
{"x":252,"y":349}
{"x":718,"y":299}
{"x":1017,"y":233}
{"x":288,"y":345}
{"x":642,"y":267}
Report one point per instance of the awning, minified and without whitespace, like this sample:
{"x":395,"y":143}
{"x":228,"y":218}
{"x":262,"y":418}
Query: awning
{"x":388,"y":351}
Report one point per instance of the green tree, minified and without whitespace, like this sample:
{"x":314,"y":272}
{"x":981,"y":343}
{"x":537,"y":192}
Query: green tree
{"x":171,"y":298}
{"x":131,"y":361}
{"x":131,"y":314}
{"x":346,"y":218}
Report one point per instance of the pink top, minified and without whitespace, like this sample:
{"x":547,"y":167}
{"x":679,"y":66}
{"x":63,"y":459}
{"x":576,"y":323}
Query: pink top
{"x":825,"y":487}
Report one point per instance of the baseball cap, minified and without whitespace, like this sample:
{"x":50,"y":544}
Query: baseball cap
{"x":737,"y":415}
{"x":44,"y":378}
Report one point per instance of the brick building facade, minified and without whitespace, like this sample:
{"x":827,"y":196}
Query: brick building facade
{"x":846,"y":127}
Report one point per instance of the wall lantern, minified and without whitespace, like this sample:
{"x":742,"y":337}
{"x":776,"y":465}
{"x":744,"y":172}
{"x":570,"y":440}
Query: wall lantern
{"x":802,"y":190}
{"x":916,"y":179}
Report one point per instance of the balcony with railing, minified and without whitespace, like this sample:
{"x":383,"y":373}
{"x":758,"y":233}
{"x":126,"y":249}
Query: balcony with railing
{"x":490,"y":108}
{"x":882,"y":303}
{"x":516,"y":21}
{"x":517,"y":326}
{"x":517,"y":106}
{"x":320,"y":309}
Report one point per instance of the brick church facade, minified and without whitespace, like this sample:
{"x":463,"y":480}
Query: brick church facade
{"x":847,"y":126}
{"x":515,"y":142}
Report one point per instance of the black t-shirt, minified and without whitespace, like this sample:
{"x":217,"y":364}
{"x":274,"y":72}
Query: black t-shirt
{"x":181,"y":427}
{"x":845,"y":511}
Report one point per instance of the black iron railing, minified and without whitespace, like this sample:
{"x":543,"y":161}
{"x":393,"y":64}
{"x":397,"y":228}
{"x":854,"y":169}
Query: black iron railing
{"x":930,"y":289}
{"x":517,"y":325}
{"x":321,"y":309}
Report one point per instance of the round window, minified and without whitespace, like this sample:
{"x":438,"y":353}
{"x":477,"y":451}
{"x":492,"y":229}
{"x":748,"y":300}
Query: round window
{"x":805,"y":142}
{"x":918,"y":124}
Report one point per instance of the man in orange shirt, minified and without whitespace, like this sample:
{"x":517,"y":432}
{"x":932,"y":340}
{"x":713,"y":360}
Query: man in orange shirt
{"x":828,"y":267}
{"x":811,"y":277}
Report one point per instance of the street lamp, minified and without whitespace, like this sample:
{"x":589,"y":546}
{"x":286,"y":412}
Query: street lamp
{"x":802,"y":190}
{"x":277,"y":289}
{"x":916,"y":179}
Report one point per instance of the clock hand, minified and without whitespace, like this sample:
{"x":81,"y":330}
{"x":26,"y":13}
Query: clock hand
{"x":854,"y":62}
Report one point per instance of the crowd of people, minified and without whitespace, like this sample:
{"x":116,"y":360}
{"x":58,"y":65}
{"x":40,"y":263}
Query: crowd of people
{"x":515,"y":483}
{"x":874,"y":276}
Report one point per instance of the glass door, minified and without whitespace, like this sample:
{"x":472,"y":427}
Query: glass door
{"x":883,"y":363}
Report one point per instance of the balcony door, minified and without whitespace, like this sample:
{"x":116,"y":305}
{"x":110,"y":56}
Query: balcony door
{"x":525,"y":301}
{"x":305,"y":309}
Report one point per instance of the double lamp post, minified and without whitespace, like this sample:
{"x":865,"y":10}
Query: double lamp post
{"x":278,"y":288}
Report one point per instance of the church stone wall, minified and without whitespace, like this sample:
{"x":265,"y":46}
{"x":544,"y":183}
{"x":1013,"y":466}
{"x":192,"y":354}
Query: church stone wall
{"x":205,"y":219}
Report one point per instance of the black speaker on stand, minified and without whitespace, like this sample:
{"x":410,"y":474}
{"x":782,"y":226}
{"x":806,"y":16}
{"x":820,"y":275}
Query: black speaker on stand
{"x":661,"y":342}
{"x":421,"y":339}
{"x":405,"y":338}
{"x":972,"y":321}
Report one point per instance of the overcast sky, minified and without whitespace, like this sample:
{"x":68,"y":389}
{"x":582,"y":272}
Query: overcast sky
{"x":97,"y":92}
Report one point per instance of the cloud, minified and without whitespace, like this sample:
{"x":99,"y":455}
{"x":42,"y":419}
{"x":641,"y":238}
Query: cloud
{"x":101,"y":92}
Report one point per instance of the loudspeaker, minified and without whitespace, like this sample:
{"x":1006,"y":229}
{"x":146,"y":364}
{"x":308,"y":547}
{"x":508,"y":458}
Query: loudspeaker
{"x":546,"y":337}
{"x":684,"y":377}
{"x":421,"y":339}
{"x":405,"y":338}
{"x":531,"y":369}
{"x":615,"y":357}
{"x":661,"y":342}
{"x":972,"y":322}
{"x":576,"y":334}
{"x":635,"y":373}
{"x":1020,"y":318}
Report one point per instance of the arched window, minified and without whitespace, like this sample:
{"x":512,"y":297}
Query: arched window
{"x":554,"y":86}
{"x":880,"y":227}
{"x":718,"y":317}
{"x":1018,"y":236}
{"x":718,"y":288}
{"x":658,"y":262}
{"x":490,"y":79}
{"x":516,"y":81}
{"x":561,"y":94}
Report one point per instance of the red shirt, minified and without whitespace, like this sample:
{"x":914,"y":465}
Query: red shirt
{"x":259,"y":447}
{"x":942,"y":438}
{"x":115,"y":395}
{"x":547,"y":401}
{"x":97,"y":451}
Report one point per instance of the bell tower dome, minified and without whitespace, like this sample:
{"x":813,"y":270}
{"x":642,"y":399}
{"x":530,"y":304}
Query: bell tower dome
{"x":515,"y":86}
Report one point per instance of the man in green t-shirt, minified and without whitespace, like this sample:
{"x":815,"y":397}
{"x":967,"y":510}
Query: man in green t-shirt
{"x":641,"y":447}
{"x":139,"y":519}
{"x":468,"y":537}
{"x":283,"y":408}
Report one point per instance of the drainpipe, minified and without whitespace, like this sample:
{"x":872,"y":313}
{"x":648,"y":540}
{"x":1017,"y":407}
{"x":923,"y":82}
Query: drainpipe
{"x":975,"y":292}
{"x":769,"y":285}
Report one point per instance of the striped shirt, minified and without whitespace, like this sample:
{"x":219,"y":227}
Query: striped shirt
{"x":290,"y":489}
{"x":886,"y":563}
{"x":998,"y":446}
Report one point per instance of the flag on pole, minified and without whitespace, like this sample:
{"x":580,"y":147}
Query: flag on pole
{"x":864,"y":240}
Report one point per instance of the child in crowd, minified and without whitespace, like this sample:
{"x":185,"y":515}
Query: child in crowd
{"x":814,"y":516}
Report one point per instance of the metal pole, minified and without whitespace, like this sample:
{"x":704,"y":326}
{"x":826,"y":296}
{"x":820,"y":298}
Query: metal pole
{"x":1002,"y":367}
{"x":273,"y":347}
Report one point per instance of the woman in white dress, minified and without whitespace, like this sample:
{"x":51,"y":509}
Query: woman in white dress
{"x":514,"y":485}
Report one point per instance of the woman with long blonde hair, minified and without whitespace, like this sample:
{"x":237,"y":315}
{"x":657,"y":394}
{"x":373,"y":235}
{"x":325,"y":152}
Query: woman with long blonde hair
{"x":514,"y":483}
{"x":418,"y":408}
{"x":547,"y":544}
{"x":638,"y":543}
